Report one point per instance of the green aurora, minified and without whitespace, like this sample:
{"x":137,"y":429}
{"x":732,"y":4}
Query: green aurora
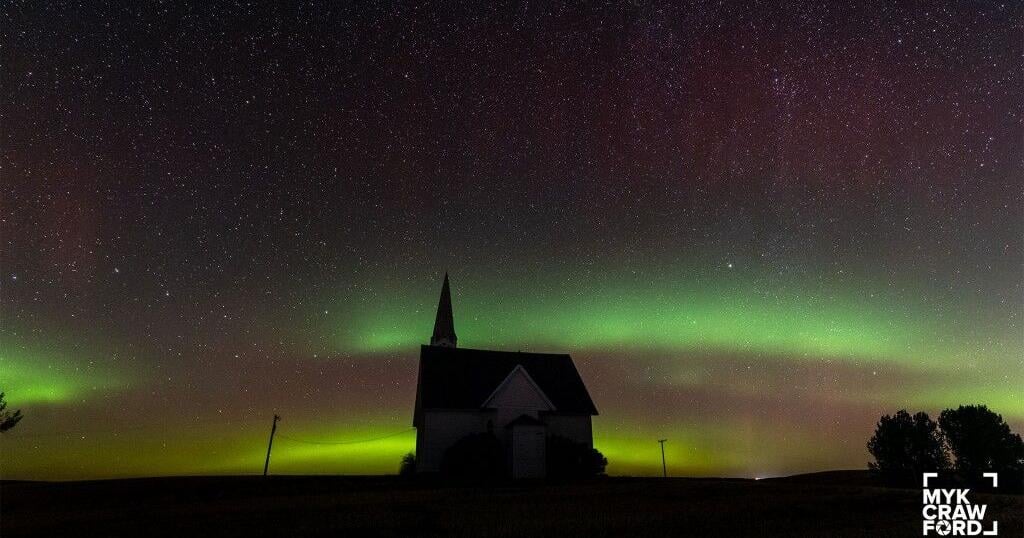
{"x":820,"y":346}
{"x":756,"y":314}
{"x":36,"y":372}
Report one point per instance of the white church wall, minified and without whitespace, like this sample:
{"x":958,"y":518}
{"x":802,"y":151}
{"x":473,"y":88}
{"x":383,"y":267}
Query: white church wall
{"x":516,"y":396}
{"x":441,"y":429}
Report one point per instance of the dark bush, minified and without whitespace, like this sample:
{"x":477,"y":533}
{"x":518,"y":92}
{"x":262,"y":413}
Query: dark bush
{"x":569,"y":459}
{"x":479,"y":456}
{"x":408,"y":466}
{"x":8,"y":420}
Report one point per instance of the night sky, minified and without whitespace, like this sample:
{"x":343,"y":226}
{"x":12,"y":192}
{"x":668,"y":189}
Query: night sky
{"x":755,"y":229}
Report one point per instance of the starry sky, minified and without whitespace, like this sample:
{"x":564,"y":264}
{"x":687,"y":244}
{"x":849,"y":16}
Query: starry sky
{"x":755,"y":228}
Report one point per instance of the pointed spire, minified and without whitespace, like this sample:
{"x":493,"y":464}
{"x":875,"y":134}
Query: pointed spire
{"x":444,"y":324}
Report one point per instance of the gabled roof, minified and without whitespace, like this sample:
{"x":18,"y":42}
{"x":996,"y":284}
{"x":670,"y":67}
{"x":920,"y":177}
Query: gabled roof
{"x":519,"y":373}
{"x":525,"y":420}
{"x":459,"y":378}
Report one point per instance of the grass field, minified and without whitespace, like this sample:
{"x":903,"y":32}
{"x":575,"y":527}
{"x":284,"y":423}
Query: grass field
{"x":387,"y":506}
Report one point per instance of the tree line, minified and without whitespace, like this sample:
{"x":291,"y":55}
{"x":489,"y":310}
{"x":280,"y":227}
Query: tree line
{"x":964,"y":443}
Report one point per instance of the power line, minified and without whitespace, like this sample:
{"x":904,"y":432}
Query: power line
{"x":304,"y":441}
{"x":17,"y":435}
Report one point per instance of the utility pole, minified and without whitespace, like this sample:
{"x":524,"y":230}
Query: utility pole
{"x":664,"y":470}
{"x":273,"y":429}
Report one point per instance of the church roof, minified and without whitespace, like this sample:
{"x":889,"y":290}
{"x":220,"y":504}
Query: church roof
{"x":459,"y":378}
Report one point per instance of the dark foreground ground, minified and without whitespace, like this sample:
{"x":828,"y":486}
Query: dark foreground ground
{"x":821,"y":505}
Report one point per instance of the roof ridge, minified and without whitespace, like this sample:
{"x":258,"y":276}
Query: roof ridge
{"x":502,"y":351}
{"x":461,"y":378}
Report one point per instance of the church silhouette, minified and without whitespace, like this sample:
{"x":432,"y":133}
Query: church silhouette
{"x":522,"y":399}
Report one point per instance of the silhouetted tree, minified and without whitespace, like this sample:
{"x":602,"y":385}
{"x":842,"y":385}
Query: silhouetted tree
{"x":981,"y":441}
{"x":569,"y":459}
{"x":905,"y":446}
{"x":408,"y":466}
{"x":478,"y":456}
{"x":8,"y":420}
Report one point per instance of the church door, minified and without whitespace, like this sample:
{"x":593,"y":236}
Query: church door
{"x":528,"y":451}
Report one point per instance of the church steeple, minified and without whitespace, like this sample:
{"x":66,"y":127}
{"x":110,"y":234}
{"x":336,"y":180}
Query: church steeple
{"x":444,"y":324}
